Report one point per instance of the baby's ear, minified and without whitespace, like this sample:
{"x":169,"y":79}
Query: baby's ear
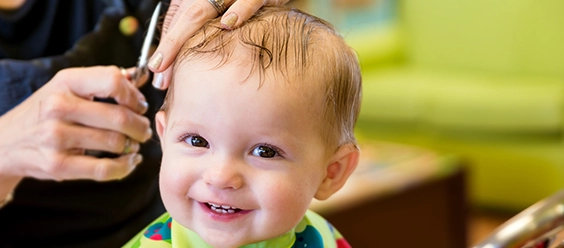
{"x":341,"y":166}
{"x":160,"y":123}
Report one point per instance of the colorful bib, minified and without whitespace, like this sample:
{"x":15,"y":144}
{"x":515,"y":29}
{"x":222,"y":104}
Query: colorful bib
{"x":312,"y":232}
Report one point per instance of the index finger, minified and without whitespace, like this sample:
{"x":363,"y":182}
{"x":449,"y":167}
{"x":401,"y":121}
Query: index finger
{"x":103,"y":82}
{"x":242,"y":10}
{"x":188,"y":17}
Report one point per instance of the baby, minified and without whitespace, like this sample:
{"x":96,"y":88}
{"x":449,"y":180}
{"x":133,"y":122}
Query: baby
{"x":256,"y":123}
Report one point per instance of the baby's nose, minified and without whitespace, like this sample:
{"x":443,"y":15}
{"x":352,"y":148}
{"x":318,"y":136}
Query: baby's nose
{"x":224,"y":175}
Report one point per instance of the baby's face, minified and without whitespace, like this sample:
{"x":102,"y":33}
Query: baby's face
{"x":241,"y":163}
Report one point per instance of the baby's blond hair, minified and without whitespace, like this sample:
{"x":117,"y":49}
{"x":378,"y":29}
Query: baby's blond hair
{"x":300,"y":47}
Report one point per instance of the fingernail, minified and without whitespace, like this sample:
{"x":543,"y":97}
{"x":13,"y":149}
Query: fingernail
{"x":155,"y":61}
{"x":137,"y":159}
{"x":228,"y":21}
{"x":142,"y":106}
{"x":158,"y":82}
{"x":148,"y":133}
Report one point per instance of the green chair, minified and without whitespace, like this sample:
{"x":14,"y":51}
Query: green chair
{"x":483,"y":79}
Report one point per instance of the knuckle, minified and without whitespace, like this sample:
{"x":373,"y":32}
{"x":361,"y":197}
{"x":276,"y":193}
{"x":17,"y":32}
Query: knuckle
{"x":112,"y":80}
{"x":62,"y":74}
{"x":120,"y":117}
{"x":55,"y":165}
{"x":249,"y":4}
{"x":114,"y":140}
{"x":52,"y":134}
{"x":101,"y":171}
{"x":54,"y":106}
{"x":114,"y":71}
{"x":115,"y":78}
{"x":172,"y":41}
{"x":196,"y":12}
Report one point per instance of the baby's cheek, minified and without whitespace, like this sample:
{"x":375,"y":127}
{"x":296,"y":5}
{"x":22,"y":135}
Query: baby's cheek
{"x":292,"y":199}
{"x":175,"y":180}
{"x":167,"y":187}
{"x":174,"y":189}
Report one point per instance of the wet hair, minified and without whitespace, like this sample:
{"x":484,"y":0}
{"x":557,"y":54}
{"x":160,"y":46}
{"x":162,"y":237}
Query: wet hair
{"x":303,"y":49}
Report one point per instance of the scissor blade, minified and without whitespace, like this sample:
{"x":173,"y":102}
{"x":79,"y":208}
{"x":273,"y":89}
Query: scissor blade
{"x":149,"y":38}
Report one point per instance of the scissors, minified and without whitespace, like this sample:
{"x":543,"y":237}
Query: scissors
{"x":142,"y":69}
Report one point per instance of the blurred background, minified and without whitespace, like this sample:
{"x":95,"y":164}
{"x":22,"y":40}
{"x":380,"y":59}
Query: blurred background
{"x":478,"y":81}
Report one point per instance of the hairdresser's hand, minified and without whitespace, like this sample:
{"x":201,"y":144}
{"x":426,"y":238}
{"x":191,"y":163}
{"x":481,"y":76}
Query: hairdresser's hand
{"x":184,"y":18}
{"x":45,"y":136}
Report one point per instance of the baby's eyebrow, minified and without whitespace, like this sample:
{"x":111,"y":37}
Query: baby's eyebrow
{"x":175,"y":125}
{"x":183,"y":122}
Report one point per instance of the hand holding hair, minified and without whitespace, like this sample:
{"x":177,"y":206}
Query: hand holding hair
{"x":185,"y":17}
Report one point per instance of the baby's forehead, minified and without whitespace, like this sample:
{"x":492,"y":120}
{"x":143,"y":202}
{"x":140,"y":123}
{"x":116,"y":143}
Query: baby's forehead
{"x":234,"y":86}
{"x":305,"y":92}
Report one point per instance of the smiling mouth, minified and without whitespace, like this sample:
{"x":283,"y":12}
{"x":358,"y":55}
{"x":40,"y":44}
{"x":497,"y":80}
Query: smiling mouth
{"x":223,"y":209}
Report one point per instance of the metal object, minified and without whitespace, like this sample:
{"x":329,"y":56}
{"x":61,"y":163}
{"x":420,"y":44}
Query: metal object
{"x":536,"y":226}
{"x":127,"y":146}
{"x":142,"y":68}
{"x":219,"y":5}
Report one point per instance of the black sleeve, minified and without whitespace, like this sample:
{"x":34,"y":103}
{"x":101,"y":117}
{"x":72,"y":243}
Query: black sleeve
{"x":83,"y":213}
{"x":19,"y":79}
{"x":105,"y":45}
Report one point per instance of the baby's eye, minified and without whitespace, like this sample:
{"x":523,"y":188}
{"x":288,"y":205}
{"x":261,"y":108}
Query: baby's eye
{"x":197,"y":141}
{"x":265,"y":152}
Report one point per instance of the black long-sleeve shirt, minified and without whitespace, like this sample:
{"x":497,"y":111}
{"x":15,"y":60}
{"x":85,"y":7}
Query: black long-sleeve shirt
{"x":36,"y":41}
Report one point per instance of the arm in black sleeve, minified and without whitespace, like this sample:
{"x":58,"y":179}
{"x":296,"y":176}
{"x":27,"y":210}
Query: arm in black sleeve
{"x":105,"y":45}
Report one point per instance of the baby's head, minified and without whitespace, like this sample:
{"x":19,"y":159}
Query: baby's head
{"x":257,"y":122}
